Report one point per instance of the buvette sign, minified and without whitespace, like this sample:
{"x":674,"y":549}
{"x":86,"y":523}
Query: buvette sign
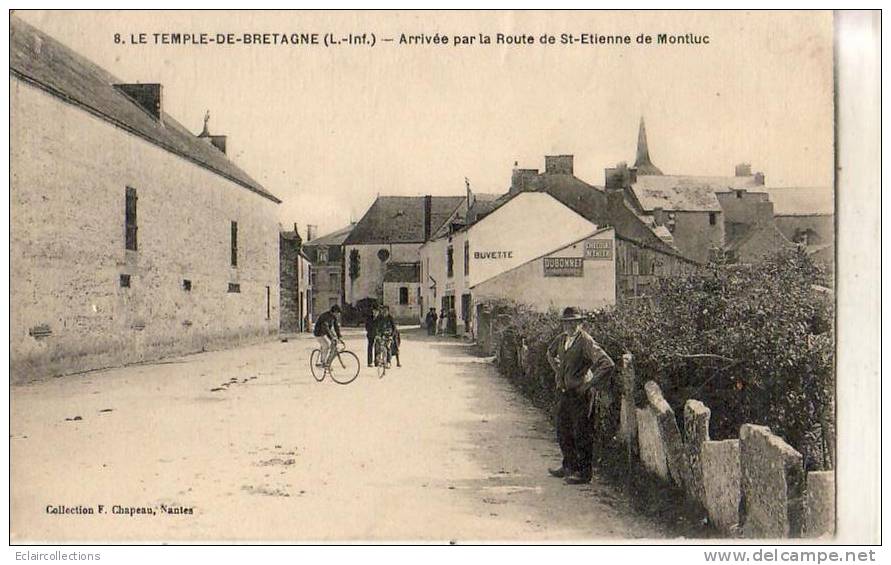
{"x":564,"y":266}
{"x":493,"y":254}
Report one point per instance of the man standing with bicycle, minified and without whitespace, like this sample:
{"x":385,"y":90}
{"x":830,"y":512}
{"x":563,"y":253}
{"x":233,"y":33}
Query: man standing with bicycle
{"x":327,"y":331}
{"x":385,"y":330}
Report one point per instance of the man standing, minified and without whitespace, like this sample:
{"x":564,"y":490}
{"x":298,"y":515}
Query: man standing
{"x":431,"y":321}
{"x":327,"y":331}
{"x":370,"y":323}
{"x":579,"y":364}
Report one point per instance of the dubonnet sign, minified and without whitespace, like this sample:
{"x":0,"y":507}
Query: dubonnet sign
{"x":564,"y":266}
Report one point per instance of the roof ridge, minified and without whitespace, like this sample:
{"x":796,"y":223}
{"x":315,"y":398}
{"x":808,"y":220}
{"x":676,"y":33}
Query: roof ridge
{"x":26,"y":66}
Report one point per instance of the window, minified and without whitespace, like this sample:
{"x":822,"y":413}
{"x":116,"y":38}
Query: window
{"x":333,"y":281}
{"x":739,"y":194}
{"x":712,"y":218}
{"x":268,"y":303}
{"x":312,"y":278}
{"x":234,"y":287}
{"x":187,"y":285}
{"x":466,"y":258}
{"x":323,"y":255}
{"x":233,"y":244}
{"x":450,"y":261}
{"x":130,"y":219}
{"x":125,"y":281}
{"x":403,"y":295}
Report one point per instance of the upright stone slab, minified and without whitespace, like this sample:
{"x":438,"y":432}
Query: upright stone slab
{"x":819,"y":506}
{"x":772,"y":484}
{"x":628,"y":414}
{"x":721,"y":482}
{"x":696,"y":419}
{"x":652,"y":452}
{"x":678,"y":467}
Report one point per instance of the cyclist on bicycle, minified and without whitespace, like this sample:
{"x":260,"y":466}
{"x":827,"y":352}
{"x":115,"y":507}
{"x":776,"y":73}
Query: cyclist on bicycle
{"x":327,"y":331}
{"x":385,"y":330}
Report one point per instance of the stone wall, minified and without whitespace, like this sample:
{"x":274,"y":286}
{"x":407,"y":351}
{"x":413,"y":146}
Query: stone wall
{"x":71,"y":309}
{"x":754,"y":486}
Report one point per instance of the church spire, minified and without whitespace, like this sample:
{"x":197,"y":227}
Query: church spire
{"x":643,"y":164}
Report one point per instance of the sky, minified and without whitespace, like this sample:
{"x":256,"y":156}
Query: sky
{"x":327,"y":129}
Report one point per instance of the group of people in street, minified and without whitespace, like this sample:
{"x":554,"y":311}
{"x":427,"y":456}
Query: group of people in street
{"x":444,"y":324}
{"x":378,"y":324}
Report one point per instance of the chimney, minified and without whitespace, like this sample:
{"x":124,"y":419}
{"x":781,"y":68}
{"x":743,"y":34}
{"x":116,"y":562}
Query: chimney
{"x":522,"y":179}
{"x":311,"y":230}
{"x":147,"y":96}
{"x":620,"y":177}
{"x":744,"y":170}
{"x":759,"y":179}
{"x":558,"y":164}
{"x":219,"y":141}
{"x":428,"y":217}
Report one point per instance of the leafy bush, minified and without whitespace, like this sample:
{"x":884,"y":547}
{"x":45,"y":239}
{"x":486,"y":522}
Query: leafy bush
{"x":754,"y":343}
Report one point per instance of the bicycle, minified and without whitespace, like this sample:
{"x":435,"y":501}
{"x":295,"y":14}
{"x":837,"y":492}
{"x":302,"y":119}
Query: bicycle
{"x":383,"y":347}
{"x":343,"y":366}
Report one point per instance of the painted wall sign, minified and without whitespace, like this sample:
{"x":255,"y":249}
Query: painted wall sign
{"x":493,"y":254}
{"x":564,"y":266}
{"x":599,"y":249}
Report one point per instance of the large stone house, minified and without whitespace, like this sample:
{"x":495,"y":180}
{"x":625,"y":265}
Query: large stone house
{"x":131,"y":238}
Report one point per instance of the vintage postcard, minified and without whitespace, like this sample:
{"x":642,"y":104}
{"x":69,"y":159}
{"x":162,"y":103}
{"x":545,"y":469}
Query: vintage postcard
{"x":418,"y":276}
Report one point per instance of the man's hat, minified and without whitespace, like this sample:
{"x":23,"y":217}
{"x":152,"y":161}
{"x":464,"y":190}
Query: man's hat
{"x":572,"y":313}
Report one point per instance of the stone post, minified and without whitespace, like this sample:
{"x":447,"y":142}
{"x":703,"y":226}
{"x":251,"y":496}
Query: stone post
{"x":678,"y":466}
{"x":627,"y":415}
{"x":696,"y":420}
{"x":772,"y":484}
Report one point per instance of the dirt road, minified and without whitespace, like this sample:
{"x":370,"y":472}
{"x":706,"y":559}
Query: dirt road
{"x":248,"y":447}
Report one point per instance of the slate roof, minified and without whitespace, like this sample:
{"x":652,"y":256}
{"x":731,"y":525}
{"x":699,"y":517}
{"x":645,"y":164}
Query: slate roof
{"x":686,"y":193}
{"x":333,"y":238}
{"x":745,"y":236}
{"x":42,"y":61}
{"x":402,"y":273}
{"x":802,"y":201}
{"x":400,"y":219}
{"x":593,"y":204}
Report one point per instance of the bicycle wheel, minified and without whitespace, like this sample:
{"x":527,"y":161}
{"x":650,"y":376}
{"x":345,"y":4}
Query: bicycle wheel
{"x":345,"y":368}
{"x":380,"y":360}
{"x":318,"y":373}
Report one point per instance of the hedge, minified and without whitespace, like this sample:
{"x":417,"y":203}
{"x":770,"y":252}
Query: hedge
{"x":754,"y":343}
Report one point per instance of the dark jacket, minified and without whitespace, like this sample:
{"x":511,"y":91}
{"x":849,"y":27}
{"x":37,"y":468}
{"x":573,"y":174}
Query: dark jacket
{"x":369,"y":326}
{"x":327,"y":325}
{"x":384,"y":325}
{"x":580,"y":366}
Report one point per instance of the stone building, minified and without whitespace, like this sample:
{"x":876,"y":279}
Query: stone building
{"x":685,"y":205}
{"x":402,"y":291}
{"x":391,"y":231}
{"x":295,"y":294}
{"x":326,"y":255}
{"x":806,"y":216}
{"x":131,"y":238}
{"x":589,"y":249}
